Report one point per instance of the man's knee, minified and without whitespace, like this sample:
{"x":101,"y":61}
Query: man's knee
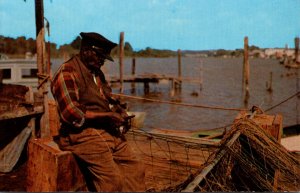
{"x":110,"y":183}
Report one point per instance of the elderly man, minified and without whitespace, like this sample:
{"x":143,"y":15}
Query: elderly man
{"x":91,"y":119}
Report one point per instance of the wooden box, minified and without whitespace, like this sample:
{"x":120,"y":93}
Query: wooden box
{"x":50,"y":170}
{"x":271,"y":123}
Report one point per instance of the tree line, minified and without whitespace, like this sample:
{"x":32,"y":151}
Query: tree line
{"x":18,"y":47}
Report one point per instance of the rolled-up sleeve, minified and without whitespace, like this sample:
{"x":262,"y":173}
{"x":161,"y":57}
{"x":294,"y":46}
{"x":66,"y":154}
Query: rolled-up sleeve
{"x":65,"y":91}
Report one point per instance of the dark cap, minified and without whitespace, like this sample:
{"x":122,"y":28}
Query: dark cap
{"x":98,"y":43}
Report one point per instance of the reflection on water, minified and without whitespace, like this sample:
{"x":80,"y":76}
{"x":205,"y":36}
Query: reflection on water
{"x":221,"y":86}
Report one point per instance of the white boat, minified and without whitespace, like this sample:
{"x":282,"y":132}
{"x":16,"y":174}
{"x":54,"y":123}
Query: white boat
{"x":19,"y":71}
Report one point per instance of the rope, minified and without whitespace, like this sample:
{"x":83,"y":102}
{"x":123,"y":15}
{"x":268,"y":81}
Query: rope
{"x":203,"y":106}
{"x":180,"y":104}
{"x":285,"y":100}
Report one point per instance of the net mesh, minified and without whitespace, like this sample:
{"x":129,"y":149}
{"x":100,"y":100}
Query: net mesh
{"x":255,"y":161}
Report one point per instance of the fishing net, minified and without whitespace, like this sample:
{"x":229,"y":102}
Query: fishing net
{"x":168,"y":159}
{"x":249,"y":159}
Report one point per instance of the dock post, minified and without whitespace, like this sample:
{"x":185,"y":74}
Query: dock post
{"x":40,"y":49}
{"x":246,"y":71}
{"x":297,"y":56}
{"x":179,"y":70}
{"x":269,"y":88}
{"x":121,"y":55}
{"x":297,"y":62}
{"x":201,"y":75}
{"x":146,"y":87}
{"x":285,"y":60}
{"x":133,"y":74}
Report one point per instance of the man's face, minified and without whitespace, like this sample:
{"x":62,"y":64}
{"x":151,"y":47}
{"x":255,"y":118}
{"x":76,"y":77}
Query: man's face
{"x":92,"y":59}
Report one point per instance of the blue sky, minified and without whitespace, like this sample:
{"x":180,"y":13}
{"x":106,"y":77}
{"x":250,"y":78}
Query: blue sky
{"x":162,"y":24}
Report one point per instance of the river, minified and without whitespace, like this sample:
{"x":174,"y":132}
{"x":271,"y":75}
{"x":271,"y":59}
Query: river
{"x":221,"y":86}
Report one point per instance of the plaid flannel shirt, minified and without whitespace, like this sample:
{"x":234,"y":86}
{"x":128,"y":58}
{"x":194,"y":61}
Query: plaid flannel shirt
{"x":65,"y":91}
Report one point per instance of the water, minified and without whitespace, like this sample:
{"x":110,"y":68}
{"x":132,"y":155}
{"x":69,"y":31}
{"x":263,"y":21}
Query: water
{"x":221,"y":86}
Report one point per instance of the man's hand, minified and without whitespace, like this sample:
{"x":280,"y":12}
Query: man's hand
{"x":116,"y":118}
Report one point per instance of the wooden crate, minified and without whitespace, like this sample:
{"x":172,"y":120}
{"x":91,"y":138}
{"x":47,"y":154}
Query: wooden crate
{"x":49,"y":169}
{"x":271,"y":123}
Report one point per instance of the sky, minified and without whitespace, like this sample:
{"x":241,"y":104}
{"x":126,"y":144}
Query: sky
{"x":161,"y":24}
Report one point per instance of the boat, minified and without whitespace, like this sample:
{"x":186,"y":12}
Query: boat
{"x":19,"y":72}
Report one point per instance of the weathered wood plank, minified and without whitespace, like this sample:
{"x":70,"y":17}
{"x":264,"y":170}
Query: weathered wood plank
{"x":10,"y":154}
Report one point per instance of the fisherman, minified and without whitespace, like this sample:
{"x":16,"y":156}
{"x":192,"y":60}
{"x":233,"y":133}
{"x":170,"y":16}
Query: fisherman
{"x":93,"y":122}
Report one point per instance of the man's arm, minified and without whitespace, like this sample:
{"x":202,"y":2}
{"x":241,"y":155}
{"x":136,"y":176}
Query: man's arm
{"x":115,"y":117}
{"x":65,"y":91}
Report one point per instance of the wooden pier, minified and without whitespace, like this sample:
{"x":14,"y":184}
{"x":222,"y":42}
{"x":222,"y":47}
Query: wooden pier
{"x":175,"y":82}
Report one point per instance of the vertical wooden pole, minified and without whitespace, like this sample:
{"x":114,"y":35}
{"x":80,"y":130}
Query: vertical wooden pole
{"x":133,"y":75}
{"x":179,"y":69}
{"x":297,"y":62}
{"x":201,"y":75}
{"x":39,"y":19}
{"x":121,"y":55}
{"x":146,"y":87}
{"x":270,"y":89}
{"x":178,"y":81}
{"x":30,"y":98}
{"x":49,"y":59}
{"x":179,"y":63}
{"x":246,"y":71}
{"x":47,"y":56}
{"x":297,"y":56}
{"x":133,"y":67}
{"x":39,"y":16}
{"x":297,"y":101}
{"x":285,"y":57}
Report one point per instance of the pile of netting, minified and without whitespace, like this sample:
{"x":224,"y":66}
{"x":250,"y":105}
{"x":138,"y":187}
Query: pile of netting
{"x":249,"y":160}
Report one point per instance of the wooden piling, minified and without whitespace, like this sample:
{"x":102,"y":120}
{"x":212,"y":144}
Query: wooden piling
{"x":146,"y":87}
{"x":201,"y":75}
{"x":133,"y":67}
{"x":297,"y":61}
{"x":285,"y":57}
{"x":246,"y":71}
{"x":297,"y":57}
{"x":49,"y":59}
{"x":121,"y":56}
{"x":179,"y":63}
{"x":297,"y":101}
{"x":178,"y":83}
{"x":42,"y":89}
{"x":270,"y":87}
{"x":133,"y":74}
